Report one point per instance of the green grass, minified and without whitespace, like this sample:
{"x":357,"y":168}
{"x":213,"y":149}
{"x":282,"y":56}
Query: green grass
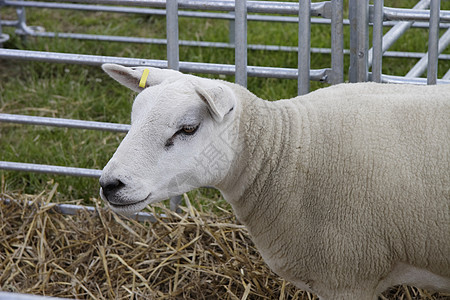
{"x":84,"y":92}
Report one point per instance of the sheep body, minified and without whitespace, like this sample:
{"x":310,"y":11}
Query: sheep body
{"x":353,"y":190}
{"x":345,"y":191}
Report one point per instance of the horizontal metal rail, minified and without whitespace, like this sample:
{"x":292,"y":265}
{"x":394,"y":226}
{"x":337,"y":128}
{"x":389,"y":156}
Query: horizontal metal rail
{"x":57,"y":122}
{"x":194,"y":14}
{"x":413,"y":80}
{"x":125,"y":39}
{"x":405,"y":14}
{"x":17,"y":296}
{"x":317,"y":9}
{"x":190,"y":67}
{"x":149,"y":11}
{"x":72,"y":209}
{"x":49,"y":169}
{"x":67,"y":123}
{"x":208,"y":68}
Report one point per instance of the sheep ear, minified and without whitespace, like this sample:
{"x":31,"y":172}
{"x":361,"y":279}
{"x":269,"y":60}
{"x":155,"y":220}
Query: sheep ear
{"x":220,"y":99}
{"x":131,"y":77}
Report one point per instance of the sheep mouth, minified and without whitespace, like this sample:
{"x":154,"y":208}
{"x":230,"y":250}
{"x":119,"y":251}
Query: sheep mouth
{"x":127,"y":207}
{"x":123,"y":205}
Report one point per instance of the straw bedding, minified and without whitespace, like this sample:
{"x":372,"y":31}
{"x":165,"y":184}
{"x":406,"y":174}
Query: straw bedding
{"x":191,"y":255}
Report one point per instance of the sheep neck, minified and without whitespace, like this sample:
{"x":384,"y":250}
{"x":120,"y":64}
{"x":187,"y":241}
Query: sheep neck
{"x":267,"y":132}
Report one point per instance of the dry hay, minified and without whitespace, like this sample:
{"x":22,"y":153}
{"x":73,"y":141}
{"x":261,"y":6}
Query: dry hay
{"x":191,"y":255}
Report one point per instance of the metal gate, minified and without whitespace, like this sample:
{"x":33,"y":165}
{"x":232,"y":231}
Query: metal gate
{"x":362,"y":16}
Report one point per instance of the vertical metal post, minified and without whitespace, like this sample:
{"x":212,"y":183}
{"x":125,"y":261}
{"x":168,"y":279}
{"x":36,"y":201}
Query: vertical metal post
{"x":2,"y":36}
{"x":304,"y":45}
{"x":173,"y":57}
{"x":337,"y":42}
{"x":175,"y":203}
{"x":433,"y":42}
{"x":21,"y":16}
{"x":240,"y":52}
{"x":359,"y":40}
{"x":377,"y":40}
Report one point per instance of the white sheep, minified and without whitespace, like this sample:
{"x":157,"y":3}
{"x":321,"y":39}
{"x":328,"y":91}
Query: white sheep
{"x":345,"y":191}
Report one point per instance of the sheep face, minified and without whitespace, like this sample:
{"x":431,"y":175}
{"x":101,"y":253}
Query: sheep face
{"x":181,"y":137}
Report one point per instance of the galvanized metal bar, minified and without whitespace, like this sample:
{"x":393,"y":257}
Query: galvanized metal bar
{"x":173,"y":55}
{"x":397,"y":31}
{"x":377,"y":40}
{"x":359,"y":40}
{"x":317,"y":9}
{"x":10,"y":23}
{"x":67,"y":123}
{"x":337,"y":42}
{"x":175,"y":203}
{"x":420,"y":67}
{"x":415,"y":80}
{"x":49,"y":169}
{"x":73,"y":209}
{"x":400,"y":54}
{"x":447,"y":75}
{"x":126,"y":39}
{"x":241,"y":42}
{"x":17,"y":296}
{"x":433,"y":42}
{"x":190,"y":67}
{"x":405,"y":14}
{"x":113,"y":9}
{"x":81,"y":59}
{"x":67,"y":171}
{"x":304,"y":44}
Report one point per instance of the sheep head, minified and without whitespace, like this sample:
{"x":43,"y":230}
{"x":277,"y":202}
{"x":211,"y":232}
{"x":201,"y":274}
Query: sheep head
{"x":182,"y":136}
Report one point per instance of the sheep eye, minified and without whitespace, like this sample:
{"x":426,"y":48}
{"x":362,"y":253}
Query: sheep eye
{"x":182,"y":132}
{"x":189,"y":129}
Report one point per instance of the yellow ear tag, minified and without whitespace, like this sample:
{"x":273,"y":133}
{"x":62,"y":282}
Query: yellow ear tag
{"x":144,"y":78}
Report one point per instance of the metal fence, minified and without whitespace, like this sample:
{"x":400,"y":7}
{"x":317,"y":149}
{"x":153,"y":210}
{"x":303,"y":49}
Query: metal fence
{"x":362,"y":16}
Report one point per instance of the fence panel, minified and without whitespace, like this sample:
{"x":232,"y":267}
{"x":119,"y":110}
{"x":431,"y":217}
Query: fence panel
{"x":362,"y":14}
{"x":434,"y":17}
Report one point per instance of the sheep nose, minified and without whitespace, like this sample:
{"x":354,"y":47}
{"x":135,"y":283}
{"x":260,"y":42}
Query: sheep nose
{"x":111,"y":187}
